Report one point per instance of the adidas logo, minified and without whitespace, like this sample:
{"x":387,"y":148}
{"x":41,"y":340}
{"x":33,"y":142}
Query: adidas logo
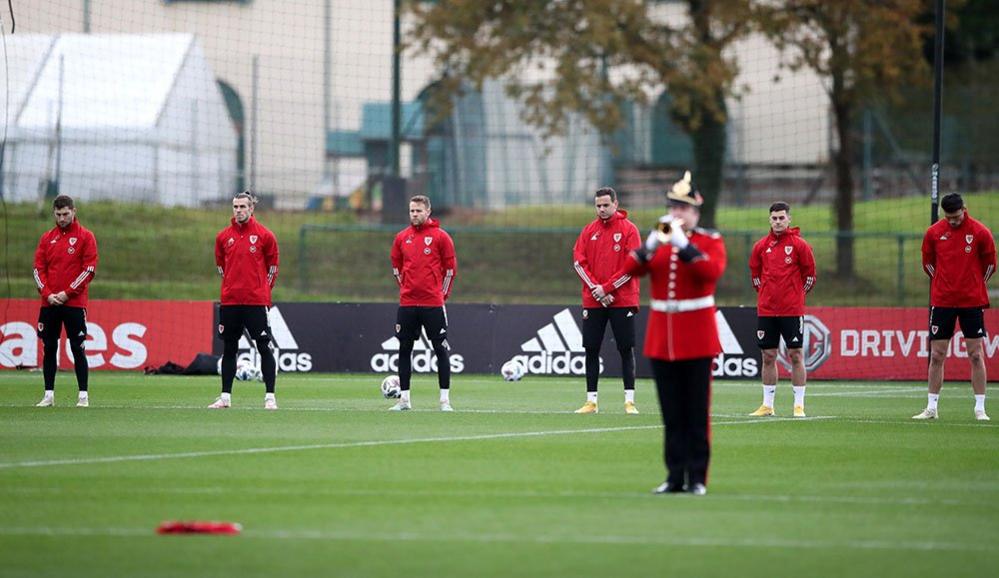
{"x":732,"y":361}
{"x":283,"y":343}
{"x":424,"y":358}
{"x":557,"y":349}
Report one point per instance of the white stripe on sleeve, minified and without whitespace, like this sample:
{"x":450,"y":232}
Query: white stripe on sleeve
{"x":582,"y":275}
{"x":448,"y":275}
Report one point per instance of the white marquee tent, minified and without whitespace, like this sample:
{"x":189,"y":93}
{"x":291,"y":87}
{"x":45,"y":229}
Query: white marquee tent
{"x":123,"y":117}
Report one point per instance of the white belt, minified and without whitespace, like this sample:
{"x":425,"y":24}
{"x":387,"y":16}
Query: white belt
{"x":682,"y":305}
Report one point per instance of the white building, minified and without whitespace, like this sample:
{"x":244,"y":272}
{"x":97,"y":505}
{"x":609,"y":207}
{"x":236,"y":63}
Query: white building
{"x":132,"y":117}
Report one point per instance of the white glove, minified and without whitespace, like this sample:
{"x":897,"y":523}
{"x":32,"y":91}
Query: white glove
{"x":653,"y":241}
{"x":677,"y":236}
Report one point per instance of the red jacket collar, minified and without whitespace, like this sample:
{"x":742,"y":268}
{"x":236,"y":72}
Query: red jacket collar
{"x":430,"y":223}
{"x":250,"y":221}
{"x":791,"y":232}
{"x":73,"y":227}
{"x":618,"y":215}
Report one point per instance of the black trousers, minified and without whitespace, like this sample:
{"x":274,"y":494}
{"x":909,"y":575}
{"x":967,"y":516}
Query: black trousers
{"x":684,"y":389}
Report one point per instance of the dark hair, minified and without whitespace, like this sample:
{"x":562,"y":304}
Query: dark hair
{"x":425,"y":200}
{"x":248,"y":195}
{"x":63,"y":202}
{"x":606,"y":192}
{"x":780,"y":206}
{"x":952,"y":203}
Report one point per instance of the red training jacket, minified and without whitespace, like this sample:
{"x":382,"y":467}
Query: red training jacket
{"x":424,"y":265}
{"x":601,"y":251}
{"x":782,"y":268}
{"x":66,"y":260}
{"x":247,"y":258}
{"x":959,"y":262}
{"x":682,"y":321}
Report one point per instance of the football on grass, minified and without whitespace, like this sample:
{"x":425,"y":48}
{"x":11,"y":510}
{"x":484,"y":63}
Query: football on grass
{"x":390,"y":387}
{"x":513,"y":370}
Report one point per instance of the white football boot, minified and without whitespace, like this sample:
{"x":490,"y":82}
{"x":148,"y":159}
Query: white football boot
{"x":219,"y":404}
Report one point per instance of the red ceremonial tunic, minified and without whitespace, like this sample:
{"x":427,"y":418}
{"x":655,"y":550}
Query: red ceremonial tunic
{"x":682,"y":310}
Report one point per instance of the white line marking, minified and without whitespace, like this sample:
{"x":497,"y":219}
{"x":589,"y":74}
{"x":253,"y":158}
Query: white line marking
{"x":391,"y":493}
{"x":870,"y":393}
{"x":520,"y":538}
{"x":341,"y":445}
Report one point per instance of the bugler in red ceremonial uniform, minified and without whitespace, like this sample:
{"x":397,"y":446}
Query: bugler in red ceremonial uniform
{"x":684,"y":264}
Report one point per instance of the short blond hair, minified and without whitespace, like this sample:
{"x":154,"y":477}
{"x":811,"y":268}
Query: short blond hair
{"x":423,"y":199}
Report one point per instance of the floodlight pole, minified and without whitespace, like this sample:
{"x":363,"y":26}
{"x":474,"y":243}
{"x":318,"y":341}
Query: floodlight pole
{"x":396,"y":89}
{"x":327,"y":78}
{"x":938,"y":53}
{"x":86,"y":16}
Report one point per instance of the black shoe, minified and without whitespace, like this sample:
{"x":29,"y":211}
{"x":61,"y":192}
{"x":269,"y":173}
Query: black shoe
{"x":668,"y":488}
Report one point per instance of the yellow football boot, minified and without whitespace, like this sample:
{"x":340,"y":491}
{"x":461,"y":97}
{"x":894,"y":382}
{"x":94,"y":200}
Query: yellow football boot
{"x":764,"y":411}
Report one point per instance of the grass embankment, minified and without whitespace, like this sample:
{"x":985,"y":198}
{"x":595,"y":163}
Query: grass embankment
{"x":161,"y":253}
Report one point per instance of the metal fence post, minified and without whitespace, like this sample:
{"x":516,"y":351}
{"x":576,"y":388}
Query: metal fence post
{"x":901,"y":270}
{"x":303,"y":262}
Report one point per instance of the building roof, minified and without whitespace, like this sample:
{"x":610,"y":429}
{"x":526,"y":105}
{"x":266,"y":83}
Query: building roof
{"x":376,"y":121}
{"x":113,"y":81}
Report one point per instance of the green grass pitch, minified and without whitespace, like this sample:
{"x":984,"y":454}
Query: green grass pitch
{"x":511,"y":484}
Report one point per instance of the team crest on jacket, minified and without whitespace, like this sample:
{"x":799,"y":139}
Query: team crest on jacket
{"x":969,"y":238}
{"x":72,"y":241}
{"x":41,"y":327}
{"x":428,"y":240}
{"x":617,"y":237}
{"x":760,"y":334}
{"x":788,"y":249}
{"x":934,"y":329}
{"x":221,"y":328}
{"x":230,"y":241}
{"x":586,"y":314}
{"x":253,"y":239}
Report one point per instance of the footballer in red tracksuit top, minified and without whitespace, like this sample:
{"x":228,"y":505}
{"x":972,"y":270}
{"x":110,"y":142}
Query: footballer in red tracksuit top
{"x":600,"y":252}
{"x":681,"y":340}
{"x":247,"y":256}
{"x":65,"y":263}
{"x":424,"y":266}
{"x":782,"y":269}
{"x":959,"y":255}
{"x":959,"y":261}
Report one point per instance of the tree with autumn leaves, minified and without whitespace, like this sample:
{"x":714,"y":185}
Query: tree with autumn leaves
{"x":863,"y":49}
{"x":587,"y":57}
